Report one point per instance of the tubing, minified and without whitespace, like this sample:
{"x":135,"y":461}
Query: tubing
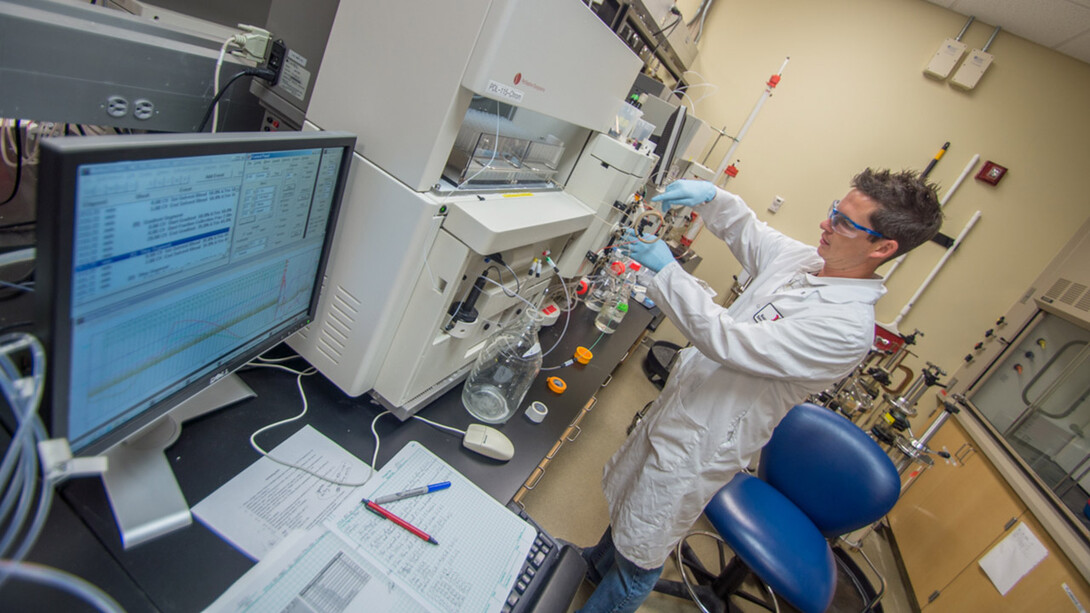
{"x":62,"y":580}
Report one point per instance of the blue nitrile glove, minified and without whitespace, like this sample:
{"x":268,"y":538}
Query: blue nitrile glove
{"x":685,"y":192}
{"x":654,"y":255}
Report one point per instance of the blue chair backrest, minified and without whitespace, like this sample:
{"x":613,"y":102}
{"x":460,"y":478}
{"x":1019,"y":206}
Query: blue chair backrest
{"x":830,"y":469}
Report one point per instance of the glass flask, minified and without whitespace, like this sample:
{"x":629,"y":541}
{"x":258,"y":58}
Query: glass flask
{"x":504,"y":370}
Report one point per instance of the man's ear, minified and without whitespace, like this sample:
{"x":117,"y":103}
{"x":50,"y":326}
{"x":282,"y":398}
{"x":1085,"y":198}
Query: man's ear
{"x":884,"y":249}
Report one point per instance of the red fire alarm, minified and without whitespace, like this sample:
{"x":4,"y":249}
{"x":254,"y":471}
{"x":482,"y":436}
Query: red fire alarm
{"x":991,"y":173}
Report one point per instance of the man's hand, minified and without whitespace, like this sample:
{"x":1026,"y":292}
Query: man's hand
{"x":685,"y":192}
{"x":654,"y":255}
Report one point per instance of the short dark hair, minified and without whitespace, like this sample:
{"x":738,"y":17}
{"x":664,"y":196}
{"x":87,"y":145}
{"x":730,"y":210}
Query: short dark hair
{"x":908,"y":207}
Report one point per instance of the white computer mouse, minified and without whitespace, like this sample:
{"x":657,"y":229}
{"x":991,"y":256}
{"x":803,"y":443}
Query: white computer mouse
{"x":488,"y":442}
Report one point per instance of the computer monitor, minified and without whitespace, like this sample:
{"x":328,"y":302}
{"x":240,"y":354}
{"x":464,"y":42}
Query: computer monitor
{"x":667,"y":147}
{"x":164,"y":263}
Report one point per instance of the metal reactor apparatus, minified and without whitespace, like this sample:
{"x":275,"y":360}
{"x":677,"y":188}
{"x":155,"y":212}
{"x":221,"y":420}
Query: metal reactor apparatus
{"x":480,"y":155}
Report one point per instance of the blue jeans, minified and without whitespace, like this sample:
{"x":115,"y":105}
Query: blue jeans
{"x":622,"y":585}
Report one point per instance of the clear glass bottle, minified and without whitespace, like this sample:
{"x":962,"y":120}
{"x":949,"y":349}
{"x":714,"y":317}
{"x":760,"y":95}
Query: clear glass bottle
{"x":606,"y":286}
{"x":611,"y":315}
{"x":616,"y":305}
{"x":504,"y":370}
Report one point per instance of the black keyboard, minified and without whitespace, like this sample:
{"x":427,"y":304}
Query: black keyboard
{"x":550,"y":575}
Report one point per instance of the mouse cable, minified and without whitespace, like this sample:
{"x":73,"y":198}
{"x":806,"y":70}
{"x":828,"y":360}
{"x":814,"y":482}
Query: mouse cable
{"x":374,"y":432}
{"x":261,"y":359}
{"x":299,"y":374}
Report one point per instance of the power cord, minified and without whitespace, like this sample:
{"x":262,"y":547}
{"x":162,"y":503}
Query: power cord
{"x":253,"y":44}
{"x":267,"y":74}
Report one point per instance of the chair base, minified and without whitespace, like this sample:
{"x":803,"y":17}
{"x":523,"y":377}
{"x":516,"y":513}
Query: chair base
{"x":713,"y":591}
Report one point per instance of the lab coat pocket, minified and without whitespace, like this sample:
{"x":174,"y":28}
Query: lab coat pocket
{"x":674,"y":440}
{"x":732,"y":449}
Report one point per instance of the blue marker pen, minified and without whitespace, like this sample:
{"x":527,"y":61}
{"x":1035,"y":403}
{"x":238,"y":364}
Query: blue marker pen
{"x":427,"y":489}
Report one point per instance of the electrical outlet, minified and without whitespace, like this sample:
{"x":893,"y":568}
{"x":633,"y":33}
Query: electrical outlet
{"x":777,"y":202}
{"x":116,"y":106}
{"x":143,"y":109}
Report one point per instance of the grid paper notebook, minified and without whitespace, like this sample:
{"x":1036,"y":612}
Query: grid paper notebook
{"x":482,"y":544}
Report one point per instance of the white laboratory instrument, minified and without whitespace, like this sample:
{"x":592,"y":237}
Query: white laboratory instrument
{"x":541,"y":77}
{"x":607,"y":173}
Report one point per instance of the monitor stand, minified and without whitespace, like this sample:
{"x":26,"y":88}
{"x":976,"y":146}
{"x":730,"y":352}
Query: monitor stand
{"x":144,"y":494}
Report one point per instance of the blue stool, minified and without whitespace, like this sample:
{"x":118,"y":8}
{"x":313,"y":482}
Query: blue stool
{"x":819,"y":477}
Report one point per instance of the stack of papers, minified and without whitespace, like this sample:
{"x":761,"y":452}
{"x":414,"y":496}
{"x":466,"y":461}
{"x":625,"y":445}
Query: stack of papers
{"x":346,"y":558}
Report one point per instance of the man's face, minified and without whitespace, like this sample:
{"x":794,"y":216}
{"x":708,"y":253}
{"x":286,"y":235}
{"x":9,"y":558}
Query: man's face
{"x":848,"y":251}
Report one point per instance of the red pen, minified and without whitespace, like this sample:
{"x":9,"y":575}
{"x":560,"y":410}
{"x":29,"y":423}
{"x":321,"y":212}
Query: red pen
{"x":381,"y":512}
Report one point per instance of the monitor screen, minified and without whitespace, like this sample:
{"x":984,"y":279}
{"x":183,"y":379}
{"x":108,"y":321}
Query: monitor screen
{"x":667,"y":147}
{"x":165,"y":262}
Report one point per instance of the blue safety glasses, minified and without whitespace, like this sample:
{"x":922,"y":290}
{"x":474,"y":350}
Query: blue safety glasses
{"x":844,"y":226}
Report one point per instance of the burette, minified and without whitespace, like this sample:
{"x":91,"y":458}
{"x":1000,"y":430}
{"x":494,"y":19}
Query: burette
{"x":773,"y":81}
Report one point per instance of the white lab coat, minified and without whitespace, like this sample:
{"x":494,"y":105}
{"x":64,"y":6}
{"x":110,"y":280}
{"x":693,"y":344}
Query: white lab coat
{"x":740,"y":377}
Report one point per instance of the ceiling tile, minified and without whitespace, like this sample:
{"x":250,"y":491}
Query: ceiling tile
{"x":1046,"y":22}
{"x":1078,"y":47}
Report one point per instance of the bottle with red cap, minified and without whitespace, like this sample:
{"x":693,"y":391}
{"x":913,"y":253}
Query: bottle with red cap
{"x":606,"y":286}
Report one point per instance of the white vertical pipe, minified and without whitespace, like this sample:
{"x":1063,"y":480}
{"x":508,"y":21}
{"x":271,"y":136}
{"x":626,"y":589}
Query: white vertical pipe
{"x":936,"y":269}
{"x":742,"y":133}
{"x":942,"y":204}
{"x":964,"y":173}
{"x":749,"y":121}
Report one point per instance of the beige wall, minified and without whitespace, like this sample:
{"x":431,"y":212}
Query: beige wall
{"x":854,"y":95}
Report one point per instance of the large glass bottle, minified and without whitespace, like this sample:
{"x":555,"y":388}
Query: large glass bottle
{"x":504,"y":370}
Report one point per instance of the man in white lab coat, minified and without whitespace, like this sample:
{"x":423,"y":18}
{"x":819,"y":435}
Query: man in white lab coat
{"x":805,"y":321}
